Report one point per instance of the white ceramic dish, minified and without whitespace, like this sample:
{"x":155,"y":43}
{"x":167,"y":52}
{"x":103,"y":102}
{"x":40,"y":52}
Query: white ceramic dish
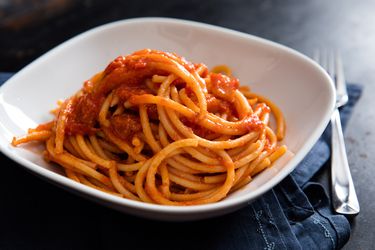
{"x":298,"y":85}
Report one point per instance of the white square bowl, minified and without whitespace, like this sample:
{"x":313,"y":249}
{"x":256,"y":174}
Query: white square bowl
{"x":302,"y":90}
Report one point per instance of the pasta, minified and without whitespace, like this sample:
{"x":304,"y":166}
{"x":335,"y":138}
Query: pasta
{"x":156,"y":128}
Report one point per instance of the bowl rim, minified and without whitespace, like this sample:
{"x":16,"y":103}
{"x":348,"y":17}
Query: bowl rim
{"x":223,"y":204}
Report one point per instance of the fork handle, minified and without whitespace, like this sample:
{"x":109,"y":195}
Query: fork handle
{"x":344,"y":197}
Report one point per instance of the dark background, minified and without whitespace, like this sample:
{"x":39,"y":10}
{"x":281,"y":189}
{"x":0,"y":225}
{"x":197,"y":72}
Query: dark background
{"x":38,"y":213}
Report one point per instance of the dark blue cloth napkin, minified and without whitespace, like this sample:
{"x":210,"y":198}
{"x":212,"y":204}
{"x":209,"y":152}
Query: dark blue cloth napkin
{"x":296,"y":214}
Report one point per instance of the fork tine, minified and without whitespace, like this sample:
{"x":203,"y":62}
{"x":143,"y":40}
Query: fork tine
{"x":340,"y":79}
{"x":323,"y":59}
{"x":326,"y":59}
{"x":316,"y":56}
{"x":331,"y":65}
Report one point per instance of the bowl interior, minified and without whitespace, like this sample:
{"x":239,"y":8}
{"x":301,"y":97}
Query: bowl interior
{"x":297,"y":85}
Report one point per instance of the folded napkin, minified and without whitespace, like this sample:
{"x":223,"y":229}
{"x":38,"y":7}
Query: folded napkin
{"x":296,"y":214}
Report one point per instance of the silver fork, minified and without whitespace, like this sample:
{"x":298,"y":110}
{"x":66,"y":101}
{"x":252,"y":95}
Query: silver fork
{"x":344,"y":197}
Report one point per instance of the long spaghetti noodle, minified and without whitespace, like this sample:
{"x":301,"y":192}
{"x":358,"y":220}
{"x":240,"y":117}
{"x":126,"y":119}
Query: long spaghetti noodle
{"x":156,"y":128}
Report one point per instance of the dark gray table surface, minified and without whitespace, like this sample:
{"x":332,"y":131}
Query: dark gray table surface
{"x":346,"y":25}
